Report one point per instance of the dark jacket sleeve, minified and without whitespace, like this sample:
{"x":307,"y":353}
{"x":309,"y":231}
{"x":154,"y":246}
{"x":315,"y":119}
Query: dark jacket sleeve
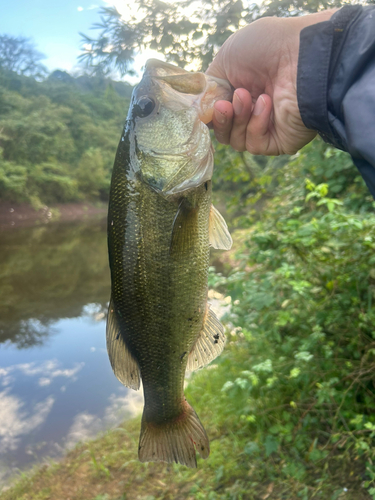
{"x":336,"y":84}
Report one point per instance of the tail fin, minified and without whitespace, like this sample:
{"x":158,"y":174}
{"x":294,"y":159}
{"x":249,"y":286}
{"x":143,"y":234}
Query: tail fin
{"x":174,"y":441}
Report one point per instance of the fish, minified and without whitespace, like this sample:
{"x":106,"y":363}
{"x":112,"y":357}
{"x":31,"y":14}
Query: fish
{"x":161,"y":224}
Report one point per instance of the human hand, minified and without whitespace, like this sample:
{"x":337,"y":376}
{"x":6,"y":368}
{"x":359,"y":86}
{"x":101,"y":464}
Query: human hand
{"x":260,"y":61}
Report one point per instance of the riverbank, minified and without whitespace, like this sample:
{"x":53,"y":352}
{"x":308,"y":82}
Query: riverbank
{"x":269,"y":439}
{"x":107,"y":468}
{"x":13,"y":215}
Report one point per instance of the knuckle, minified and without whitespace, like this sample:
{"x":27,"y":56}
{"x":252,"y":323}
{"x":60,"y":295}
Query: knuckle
{"x":238,"y":148}
{"x":238,"y":142}
{"x":222,"y":138}
{"x":252,"y":148}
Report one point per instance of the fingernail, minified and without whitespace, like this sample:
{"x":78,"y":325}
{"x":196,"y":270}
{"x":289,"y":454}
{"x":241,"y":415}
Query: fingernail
{"x":237,"y":104}
{"x":220,"y":117}
{"x":259,"y":106}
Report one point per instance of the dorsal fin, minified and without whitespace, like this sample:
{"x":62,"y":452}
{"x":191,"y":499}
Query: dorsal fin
{"x":123,"y":364}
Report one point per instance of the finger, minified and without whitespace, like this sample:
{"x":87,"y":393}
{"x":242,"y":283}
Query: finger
{"x":259,"y":138}
{"x":222,"y":121}
{"x":242,"y":107}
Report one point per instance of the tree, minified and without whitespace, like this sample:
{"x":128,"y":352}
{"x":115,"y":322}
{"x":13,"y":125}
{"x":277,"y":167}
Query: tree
{"x":18,"y":54}
{"x":185,"y":32}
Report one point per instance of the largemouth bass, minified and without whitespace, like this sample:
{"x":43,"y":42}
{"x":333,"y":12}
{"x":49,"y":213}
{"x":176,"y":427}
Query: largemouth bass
{"x":161,"y":224}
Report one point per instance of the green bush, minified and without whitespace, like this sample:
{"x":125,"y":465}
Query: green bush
{"x":301,"y":370}
{"x":57,"y":139}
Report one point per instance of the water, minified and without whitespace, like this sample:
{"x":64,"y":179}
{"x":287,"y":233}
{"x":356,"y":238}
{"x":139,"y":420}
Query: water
{"x":56,"y":384}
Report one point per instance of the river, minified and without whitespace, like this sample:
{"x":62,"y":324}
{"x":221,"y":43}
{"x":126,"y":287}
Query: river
{"x":56,"y":384}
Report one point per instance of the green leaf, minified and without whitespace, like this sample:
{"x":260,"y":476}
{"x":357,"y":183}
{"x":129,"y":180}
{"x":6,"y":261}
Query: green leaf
{"x":271,"y":445}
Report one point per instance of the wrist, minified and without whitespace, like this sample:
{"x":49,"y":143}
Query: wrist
{"x":293,"y":28}
{"x":320,"y":49}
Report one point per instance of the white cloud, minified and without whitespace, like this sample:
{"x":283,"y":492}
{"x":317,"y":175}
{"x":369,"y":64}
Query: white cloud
{"x":47,"y":371}
{"x":87,"y":426}
{"x":7,"y":381}
{"x":80,"y":9}
{"x":15,"y":421}
{"x":68,"y":373}
{"x":44,"y":381}
{"x":50,"y":369}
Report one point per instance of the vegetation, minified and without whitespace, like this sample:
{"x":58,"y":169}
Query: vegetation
{"x":18,"y":54}
{"x":185,"y":32}
{"x":289,"y":406}
{"x":58,"y":136}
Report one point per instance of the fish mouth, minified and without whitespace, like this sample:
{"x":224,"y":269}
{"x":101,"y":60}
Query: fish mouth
{"x":204,"y":89}
{"x":192,"y":88}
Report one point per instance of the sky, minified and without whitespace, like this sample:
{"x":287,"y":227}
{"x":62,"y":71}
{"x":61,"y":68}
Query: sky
{"x":54,"y":27}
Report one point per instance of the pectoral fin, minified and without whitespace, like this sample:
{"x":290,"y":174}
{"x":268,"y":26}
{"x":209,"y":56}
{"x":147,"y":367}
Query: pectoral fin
{"x":209,"y":344}
{"x":218,"y":231}
{"x":123,"y":364}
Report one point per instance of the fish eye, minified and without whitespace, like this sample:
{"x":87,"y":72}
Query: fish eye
{"x":144,"y":107}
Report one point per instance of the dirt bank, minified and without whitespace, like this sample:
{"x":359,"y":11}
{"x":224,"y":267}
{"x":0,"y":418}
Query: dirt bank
{"x":21,"y":215}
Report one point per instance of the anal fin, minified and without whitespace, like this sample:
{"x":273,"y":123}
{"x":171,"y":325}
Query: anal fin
{"x":124,"y":366}
{"x":209,"y":344}
{"x":218,"y":231}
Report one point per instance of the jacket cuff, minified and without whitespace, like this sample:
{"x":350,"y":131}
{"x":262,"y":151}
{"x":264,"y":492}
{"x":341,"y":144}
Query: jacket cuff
{"x":320,"y":45}
{"x":312,"y":76}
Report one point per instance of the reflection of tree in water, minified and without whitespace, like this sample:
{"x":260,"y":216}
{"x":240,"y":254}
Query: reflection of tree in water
{"x":26,"y":333}
{"x":48,"y":273}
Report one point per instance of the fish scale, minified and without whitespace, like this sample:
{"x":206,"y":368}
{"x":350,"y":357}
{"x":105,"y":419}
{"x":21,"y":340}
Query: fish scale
{"x":159,"y":235}
{"x":155,"y":303}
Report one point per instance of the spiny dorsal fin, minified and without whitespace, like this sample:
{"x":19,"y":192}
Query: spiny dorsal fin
{"x":209,"y":344}
{"x":123,"y":364}
{"x":218,"y":231}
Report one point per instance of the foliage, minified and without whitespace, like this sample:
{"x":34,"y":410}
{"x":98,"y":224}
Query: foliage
{"x":302,"y":373}
{"x":289,"y":405}
{"x":18,"y":54}
{"x":58,"y":137}
{"x":184,"y":32}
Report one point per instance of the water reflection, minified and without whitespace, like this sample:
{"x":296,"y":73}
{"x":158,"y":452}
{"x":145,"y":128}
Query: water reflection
{"x":56,"y":384}
{"x":47,"y":273}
